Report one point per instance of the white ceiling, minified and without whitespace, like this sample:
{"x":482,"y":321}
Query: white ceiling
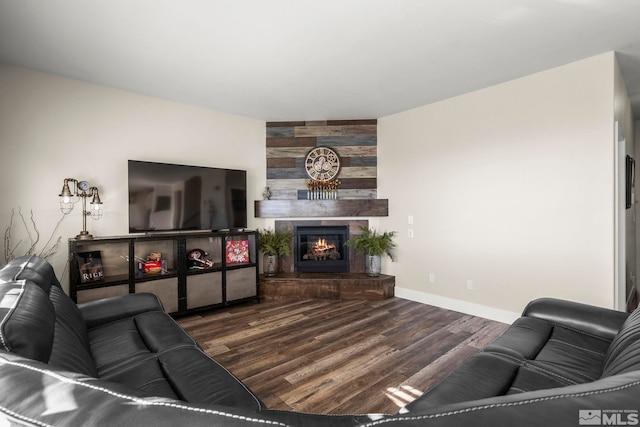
{"x":330,"y":59}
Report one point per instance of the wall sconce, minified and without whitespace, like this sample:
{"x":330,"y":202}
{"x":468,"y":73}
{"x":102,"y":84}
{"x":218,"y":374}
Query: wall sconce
{"x":81,"y":190}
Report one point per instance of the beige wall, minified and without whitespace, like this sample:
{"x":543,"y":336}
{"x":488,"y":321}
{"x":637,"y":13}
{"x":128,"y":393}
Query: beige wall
{"x":52,"y":128}
{"x":510,"y":187}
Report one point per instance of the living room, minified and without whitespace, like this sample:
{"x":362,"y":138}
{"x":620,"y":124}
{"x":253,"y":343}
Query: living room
{"x":527,"y":210}
{"x":502,"y":191}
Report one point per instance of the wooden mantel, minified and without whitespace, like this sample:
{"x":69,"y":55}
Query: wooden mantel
{"x":321,"y":208}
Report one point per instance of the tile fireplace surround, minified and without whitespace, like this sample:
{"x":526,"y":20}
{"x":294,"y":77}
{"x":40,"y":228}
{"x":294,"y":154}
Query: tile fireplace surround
{"x":356,"y":258}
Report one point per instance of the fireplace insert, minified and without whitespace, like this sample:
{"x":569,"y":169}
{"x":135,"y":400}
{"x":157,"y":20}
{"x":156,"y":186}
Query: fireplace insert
{"x":321,"y":249}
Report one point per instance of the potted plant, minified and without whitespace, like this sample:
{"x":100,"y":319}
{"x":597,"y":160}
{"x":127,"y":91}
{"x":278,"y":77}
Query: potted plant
{"x":272,"y":244}
{"x":375,"y":245}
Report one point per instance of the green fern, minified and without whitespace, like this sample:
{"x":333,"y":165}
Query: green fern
{"x":275,"y":242}
{"x":372,"y":242}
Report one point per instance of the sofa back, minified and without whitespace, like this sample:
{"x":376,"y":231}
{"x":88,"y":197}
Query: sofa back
{"x":623,"y":354}
{"x":38,"y":320}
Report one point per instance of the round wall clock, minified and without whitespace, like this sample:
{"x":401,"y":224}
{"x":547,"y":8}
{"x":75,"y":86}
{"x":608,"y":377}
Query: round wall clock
{"x":322,"y":164}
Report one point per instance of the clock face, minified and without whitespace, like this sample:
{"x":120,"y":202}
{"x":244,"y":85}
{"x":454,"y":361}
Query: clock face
{"x":322,"y":164}
{"x":84,"y":185}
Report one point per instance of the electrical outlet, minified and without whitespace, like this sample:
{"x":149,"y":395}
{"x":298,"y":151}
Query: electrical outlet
{"x":432,"y":278}
{"x":410,"y":233}
{"x":469,"y":284}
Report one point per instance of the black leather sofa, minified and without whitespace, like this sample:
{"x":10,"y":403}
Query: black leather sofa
{"x":124,"y":362}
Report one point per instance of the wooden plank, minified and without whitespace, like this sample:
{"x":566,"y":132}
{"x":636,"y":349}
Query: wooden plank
{"x":358,"y":183}
{"x":291,"y":142}
{"x":280,"y":132}
{"x":286,"y":184}
{"x":352,"y":151}
{"x":341,"y":140}
{"x":287,"y":151}
{"x":287,"y":173}
{"x":335,"y":130}
{"x":280,"y":162}
{"x":352,"y":122}
{"x":358,"y":172}
{"x":321,"y":208}
{"x":284,"y":124}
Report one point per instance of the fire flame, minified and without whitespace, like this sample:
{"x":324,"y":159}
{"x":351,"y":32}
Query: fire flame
{"x":321,"y":246}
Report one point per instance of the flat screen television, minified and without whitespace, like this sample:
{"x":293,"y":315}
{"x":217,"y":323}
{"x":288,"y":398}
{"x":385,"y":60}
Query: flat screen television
{"x":171,"y":197}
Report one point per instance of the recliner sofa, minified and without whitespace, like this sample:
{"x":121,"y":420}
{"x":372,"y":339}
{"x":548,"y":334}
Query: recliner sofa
{"x":123,"y":361}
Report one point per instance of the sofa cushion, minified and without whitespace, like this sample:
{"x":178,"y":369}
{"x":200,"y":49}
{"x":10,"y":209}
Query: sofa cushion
{"x":491,"y":375}
{"x":623,"y":354}
{"x":39,"y":320}
{"x":482,"y":376}
{"x":27,"y":319}
{"x":71,"y":344}
{"x":124,"y":343}
{"x":152,"y":353}
{"x":31,"y":268}
{"x":573,"y":355}
{"x":199,"y":379}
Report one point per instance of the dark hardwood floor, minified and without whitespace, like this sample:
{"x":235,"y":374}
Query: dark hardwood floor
{"x":324,"y":356}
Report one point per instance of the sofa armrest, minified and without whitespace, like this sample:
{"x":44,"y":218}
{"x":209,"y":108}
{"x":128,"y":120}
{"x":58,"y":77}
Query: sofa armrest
{"x":107,"y":310}
{"x":602,"y":322}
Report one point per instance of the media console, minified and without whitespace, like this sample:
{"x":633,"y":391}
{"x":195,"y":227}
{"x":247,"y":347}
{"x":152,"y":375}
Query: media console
{"x":115,"y":266}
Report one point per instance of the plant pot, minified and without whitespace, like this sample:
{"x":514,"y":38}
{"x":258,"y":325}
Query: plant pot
{"x":269,"y":265}
{"x":373,"y":265}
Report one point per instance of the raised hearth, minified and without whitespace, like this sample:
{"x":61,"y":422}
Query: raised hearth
{"x":332,"y":286}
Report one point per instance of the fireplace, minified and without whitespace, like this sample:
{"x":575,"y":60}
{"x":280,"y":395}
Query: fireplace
{"x":321,"y":249}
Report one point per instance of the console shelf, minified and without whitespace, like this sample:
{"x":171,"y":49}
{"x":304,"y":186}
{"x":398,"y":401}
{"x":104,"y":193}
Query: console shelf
{"x":182,"y":289}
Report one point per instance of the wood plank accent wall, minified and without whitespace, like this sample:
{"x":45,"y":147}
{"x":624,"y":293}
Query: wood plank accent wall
{"x":355,"y":141}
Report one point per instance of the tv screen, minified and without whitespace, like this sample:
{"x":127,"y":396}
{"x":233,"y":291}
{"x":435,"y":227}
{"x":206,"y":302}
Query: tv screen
{"x":170,"y":197}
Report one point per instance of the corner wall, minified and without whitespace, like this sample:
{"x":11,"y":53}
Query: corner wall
{"x":510,"y":187}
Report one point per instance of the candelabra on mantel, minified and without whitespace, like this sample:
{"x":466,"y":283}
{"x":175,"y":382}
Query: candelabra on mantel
{"x":322,"y":190}
{"x":81,"y":190}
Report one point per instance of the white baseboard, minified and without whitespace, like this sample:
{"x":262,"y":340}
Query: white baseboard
{"x":491,"y":313}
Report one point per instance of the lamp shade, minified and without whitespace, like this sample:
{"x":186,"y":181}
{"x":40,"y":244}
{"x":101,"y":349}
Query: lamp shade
{"x":95,"y":207}
{"x":67,"y":198}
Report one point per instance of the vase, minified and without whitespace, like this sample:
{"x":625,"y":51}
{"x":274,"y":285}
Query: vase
{"x":373,"y":265}
{"x":269,"y":265}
